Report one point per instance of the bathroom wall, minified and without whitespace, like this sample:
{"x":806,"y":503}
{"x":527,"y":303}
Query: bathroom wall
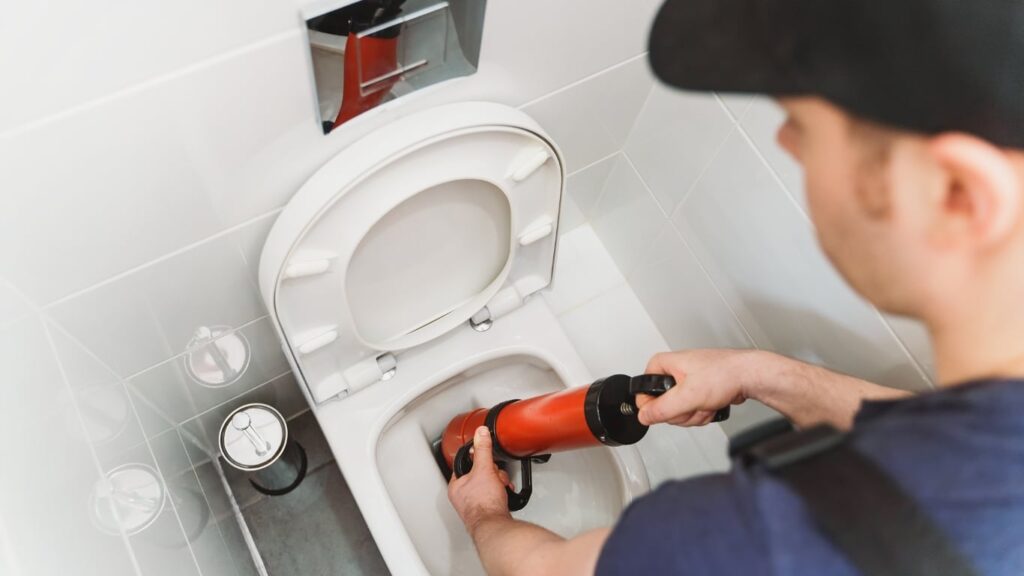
{"x":705,"y":216}
{"x":145,"y":150}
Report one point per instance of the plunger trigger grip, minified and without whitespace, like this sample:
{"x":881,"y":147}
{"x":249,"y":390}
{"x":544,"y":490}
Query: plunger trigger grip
{"x":658,"y":384}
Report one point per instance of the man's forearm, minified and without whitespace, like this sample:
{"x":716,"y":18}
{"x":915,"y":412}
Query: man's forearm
{"x":510,"y":547}
{"x":809,"y":395}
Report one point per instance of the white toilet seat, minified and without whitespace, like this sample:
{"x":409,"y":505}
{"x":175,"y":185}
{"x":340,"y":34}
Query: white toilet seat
{"x":370,"y":275}
{"x":407,"y":234}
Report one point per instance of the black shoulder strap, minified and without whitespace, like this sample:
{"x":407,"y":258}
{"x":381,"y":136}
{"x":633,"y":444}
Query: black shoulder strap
{"x":857,"y":506}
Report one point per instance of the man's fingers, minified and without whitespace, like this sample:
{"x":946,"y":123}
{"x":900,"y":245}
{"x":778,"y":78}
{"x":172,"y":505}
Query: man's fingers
{"x":670,"y":405}
{"x":482,"y":457}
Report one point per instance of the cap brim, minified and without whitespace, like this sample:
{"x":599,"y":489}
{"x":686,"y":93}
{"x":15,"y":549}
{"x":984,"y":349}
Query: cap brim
{"x":723,"y":45}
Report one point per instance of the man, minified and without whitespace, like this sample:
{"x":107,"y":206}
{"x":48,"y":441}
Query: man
{"x":908,"y":119}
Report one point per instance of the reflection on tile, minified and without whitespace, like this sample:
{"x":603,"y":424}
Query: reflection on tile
{"x":152,"y":314}
{"x":627,"y":218}
{"x":173,"y":392}
{"x":681,"y":299}
{"x":190,"y":500}
{"x":162,"y":546}
{"x":583,"y":270}
{"x":675,"y":137}
{"x":102,"y":401}
{"x":762,"y":122}
{"x":591,"y":120}
{"x":50,"y":470}
{"x":766,"y":262}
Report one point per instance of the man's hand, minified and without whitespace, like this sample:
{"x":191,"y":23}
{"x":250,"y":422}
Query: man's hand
{"x":709,"y":380}
{"x":706,"y":381}
{"x":480,"y":494}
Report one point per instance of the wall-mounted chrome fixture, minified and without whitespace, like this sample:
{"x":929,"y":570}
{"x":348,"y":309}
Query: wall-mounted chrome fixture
{"x":368,"y":52}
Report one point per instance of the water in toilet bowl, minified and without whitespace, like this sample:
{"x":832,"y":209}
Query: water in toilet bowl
{"x":574,"y":492}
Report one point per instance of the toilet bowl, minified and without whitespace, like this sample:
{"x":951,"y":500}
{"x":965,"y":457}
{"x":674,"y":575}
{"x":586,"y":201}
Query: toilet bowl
{"x":402,"y":279}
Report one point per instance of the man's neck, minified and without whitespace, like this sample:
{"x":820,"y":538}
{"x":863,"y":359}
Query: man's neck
{"x":979,"y":344}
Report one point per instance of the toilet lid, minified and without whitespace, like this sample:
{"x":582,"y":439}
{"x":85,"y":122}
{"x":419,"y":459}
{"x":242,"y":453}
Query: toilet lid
{"x":406,"y":234}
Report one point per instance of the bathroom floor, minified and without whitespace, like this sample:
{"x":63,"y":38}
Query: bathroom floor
{"x":314,"y":529}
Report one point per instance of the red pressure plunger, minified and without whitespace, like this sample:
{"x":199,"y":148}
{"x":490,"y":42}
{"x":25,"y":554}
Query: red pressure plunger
{"x":531,"y":430}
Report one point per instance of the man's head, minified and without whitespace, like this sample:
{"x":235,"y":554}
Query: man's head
{"x":908,"y":118}
{"x":914,"y":222}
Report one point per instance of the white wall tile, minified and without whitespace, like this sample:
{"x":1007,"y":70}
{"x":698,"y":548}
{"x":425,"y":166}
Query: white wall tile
{"x":49,"y":467}
{"x":675,"y":137}
{"x":914,"y":336}
{"x":681,"y":299}
{"x":583,"y":271}
{"x":762,"y":254}
{"x":58,"y":54}
{"x":533,"y":46}
{"x":585,"y":186}
{"x":737,"y":103}
{"x":152,"y":314}
{"x":613,"y":333}
{"x":582,"y":191}
{"x":761,"y":122}
{"x":627,"y":218}
{"x":12,"y":305}
{"x":591,"y":120}
{"x":167,"y":394}
{"x":152,"y":171}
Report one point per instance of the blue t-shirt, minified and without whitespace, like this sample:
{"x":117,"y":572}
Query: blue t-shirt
{"x":959,"y":452}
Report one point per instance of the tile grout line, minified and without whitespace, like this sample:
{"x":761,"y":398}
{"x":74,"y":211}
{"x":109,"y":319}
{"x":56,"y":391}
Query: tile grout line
{"x":163,"y":477}
{"x":235,"y":397}
{"x":583,"y":80}
{"x":591,"y":165}
{"x":671,"y":224}
{"x":160,"y":259}
{"x":913,"y":359}
{"x":800,"y":210}
{"x":206,"y":498}
{"x":250,"y":541}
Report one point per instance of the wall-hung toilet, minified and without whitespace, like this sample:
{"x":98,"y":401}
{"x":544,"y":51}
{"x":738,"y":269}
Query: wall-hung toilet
{"x":399,"y":278}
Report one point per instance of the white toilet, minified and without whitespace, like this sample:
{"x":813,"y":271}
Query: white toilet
{"x":402,"y":279}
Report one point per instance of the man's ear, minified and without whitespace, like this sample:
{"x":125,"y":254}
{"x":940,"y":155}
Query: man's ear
{"x":982,"y":199}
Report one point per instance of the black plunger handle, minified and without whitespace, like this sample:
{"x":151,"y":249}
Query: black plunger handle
{"x":463,"y":463}
{"x":658,"y":384}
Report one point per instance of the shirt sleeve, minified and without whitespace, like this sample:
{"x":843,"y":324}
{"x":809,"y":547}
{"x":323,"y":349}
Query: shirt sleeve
{"x":704,"y":525}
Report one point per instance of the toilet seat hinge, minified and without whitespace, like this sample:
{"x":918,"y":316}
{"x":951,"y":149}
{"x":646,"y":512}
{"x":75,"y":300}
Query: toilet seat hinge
{"x":370,"y":371}
{"x":505,"y":301}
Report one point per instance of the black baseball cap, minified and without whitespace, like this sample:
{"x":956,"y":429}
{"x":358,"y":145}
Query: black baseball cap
{"x":928,"y":66}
